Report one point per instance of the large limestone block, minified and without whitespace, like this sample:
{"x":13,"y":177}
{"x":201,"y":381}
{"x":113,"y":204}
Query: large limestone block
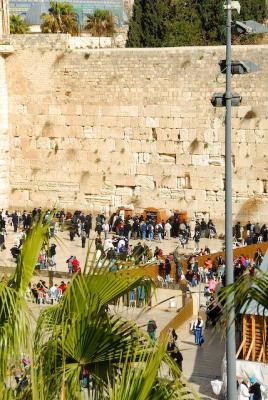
{"x":19,"y":195}
{"x":263,"y":124}
{"x":207,"y":183}
{"x":152,"y":122}
{"x":240,"y":185}
{"x":129,"y":111}
{"x":54,"y":109}
{"x":123,"y":191}
{"x":166,"y":147}
{"x":215,"y":149}
{"x":166,"y":159}
{"x":256,"y":186}
{"x":146,"y":182}
{"x":121,"y":180}
{"x":168,"y":181}
{"x":198,"y":160}
{"x":43,"y":143}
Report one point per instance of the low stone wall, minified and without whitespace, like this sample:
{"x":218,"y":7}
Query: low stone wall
{"x":66,"y":41}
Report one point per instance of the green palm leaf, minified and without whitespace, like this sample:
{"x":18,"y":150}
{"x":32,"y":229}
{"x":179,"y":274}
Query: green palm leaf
{"x":246,"y":290}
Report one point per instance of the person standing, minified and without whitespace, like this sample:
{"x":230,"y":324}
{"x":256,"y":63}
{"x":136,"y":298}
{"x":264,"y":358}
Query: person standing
{"x":105,"y":228}
{"x":197,"y":327}
{"x":203,"y":227}
{"x":151,"y":329}
{"x":255,"y":389}
{"x":167,"y":269}
{"x":52,"y":252}
{"x":167,"y":230}
{"x":160,"y":231}
{"x":150,"y":230}
{"x":88,"y":224}
{"x":243,"y":392}
{"x":196,"y":238}
{"x":15,"y":221}
{"x":2,"y":239}
{"x":128,"y":230}
{"x":143,"y":228}
{"x":83,"y":238}
{"x":69,"y":262}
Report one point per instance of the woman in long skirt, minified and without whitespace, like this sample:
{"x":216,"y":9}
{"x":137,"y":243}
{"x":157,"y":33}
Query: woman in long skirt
{"x":198,"y":335}
{"x":198,"y":328}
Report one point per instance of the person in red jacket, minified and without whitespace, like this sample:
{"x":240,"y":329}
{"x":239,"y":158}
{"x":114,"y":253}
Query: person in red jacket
{"x":62,"y":287}
{"x":76,"y":266}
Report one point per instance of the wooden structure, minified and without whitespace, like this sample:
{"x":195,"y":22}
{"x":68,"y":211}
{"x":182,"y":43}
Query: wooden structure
{"x":254,"y":342}
{"x":125,"y":212}
{"x":254,"y":345}
{"x":182,"y":216}
{"x":155,"y":214}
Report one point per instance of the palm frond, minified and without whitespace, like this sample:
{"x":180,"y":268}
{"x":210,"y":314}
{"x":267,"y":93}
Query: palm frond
{"x":29,"y":255}
{"x":246,"y":290}
{"x":154,"y":377}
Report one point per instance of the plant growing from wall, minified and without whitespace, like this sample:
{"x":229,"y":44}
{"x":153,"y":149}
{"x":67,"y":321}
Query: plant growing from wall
{"x":47,"y":128}
{"x":250,"y":114}
{"x":100,"y":23}
{"x":56,"y":148}
{"x":135,"y":200}
{"x":61,"y":18}
{"x":18,"y":25}
{"x":194,"y":145}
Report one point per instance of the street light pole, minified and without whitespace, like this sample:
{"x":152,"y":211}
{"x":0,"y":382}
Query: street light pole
{"x":230,"y":340}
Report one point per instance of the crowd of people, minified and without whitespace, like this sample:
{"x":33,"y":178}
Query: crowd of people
{"x":40,"y":293}
{"x":113,"y":242}
{"x":251,"y":233}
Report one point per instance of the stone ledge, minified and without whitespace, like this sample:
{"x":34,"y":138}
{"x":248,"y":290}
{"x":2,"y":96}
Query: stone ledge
{"x":6,"y":49}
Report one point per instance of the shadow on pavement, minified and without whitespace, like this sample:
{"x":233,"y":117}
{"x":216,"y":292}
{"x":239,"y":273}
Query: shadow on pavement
{"x":208,"y":362}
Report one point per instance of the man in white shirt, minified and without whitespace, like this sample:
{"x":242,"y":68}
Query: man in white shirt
{"x":167,"y":230}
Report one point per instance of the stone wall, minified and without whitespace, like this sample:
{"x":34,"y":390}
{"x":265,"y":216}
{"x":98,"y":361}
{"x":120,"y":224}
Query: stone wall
{"x":4,"y":137}
{"x":63,"y":42}
{"x":98,"y":128}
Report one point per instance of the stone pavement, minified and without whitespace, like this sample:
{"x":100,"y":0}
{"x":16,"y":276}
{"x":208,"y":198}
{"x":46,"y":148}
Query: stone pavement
{"x":141,"y":317}
{"x":201,"y":364}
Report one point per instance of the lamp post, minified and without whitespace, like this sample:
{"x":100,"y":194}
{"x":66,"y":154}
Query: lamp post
{"x":227,"y":100}
{"x":230,"y":339}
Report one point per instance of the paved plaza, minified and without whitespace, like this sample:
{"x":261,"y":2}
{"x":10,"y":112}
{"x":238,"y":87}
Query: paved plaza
{"x":66,"y":248}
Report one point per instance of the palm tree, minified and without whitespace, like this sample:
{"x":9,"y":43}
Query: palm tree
{"x":18,"y":25}
{"x":61,"y":18}
{"x":81,"y":336}
{"x":101,"y":23}
{"x":247,"y":289}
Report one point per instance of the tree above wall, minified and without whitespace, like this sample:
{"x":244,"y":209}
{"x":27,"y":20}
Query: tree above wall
{"x":100,"y":23}
{"x":61,"y":18}
{"x":167,"y":23}
{"x":18,"y":25}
